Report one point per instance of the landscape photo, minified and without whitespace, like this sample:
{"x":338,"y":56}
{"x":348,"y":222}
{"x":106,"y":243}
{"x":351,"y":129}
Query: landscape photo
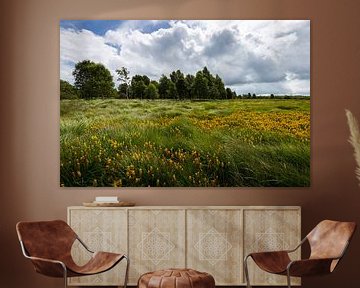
{"x":185,"y":103}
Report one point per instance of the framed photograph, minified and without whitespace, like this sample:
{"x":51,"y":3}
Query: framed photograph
{"x":187,"y":103}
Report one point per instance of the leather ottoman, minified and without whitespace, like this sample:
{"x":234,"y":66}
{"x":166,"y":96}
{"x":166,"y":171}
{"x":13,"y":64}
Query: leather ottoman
{"x":176,"y":278}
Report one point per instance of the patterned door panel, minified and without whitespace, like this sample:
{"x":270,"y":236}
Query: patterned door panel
{"x":270,"y":230}
{"x":100,"y":230}
{"x":214,"y":241}
{"x":157,"y":240}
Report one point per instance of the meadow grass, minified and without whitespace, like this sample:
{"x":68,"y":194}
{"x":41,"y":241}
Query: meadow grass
{"x":252,"y":142}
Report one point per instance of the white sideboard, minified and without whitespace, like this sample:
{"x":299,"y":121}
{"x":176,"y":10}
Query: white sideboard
{"x":211,"y":239}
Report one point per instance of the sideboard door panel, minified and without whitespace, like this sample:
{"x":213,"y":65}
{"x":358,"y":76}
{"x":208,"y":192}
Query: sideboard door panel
{"x":156,"y":240}
{"x":269,"y":230}
{"x":101,"y":230}
{"x":214,"y":244}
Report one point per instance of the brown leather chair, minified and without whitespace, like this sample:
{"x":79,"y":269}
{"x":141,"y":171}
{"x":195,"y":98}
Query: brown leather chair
{"x":48,"y":245}
{"x":328,"y":242}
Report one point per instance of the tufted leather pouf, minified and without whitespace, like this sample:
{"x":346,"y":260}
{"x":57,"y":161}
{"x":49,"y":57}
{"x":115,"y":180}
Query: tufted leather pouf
{"x":176,"y":278}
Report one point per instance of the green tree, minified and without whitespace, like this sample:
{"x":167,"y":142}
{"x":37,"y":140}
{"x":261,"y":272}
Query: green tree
{"x":181,"y":88}
{"x":164,"y":83}
{"x":201,"y":89}
{"x":138,"y":86}
{"x":67,"y":91}
{"x":229,"y":93}
{"x":177,"y":77}
{"x":93,"y":80}
{"x":189,"y":84}
{"x":219,"y":84}
{"x":151,"y":92}
{"x":123,"y":76}
{"x":155,"y":83}
{"x":214,"y":92}
{"x":206,"y":73}
{"x":143,"y":78}
{"x":172,"y":91}
{"x":123,"y":91}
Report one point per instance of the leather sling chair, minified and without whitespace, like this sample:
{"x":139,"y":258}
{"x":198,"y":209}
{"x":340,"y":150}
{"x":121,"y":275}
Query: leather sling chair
{"x":328,"y":242}
{"x":48,"y":245}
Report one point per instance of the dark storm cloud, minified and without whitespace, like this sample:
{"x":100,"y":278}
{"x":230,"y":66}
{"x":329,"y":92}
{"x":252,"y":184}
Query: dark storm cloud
{"x":221,"y":43}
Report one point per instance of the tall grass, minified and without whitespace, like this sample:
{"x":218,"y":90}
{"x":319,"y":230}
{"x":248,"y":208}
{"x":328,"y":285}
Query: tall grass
{"x":183,"y":143}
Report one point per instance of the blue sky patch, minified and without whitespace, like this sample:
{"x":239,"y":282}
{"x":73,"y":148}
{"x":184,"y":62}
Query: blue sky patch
{"x":151,"y":27}
{"x":99,"y":27}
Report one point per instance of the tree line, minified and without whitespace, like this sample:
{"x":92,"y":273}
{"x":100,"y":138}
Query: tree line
{"x":94,"y":80}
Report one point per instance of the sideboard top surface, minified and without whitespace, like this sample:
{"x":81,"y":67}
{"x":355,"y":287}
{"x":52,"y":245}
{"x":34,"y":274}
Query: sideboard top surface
{"x":193,"y":207}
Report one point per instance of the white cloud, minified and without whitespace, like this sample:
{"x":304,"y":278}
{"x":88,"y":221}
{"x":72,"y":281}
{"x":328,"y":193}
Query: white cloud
{"x":257,"y":55}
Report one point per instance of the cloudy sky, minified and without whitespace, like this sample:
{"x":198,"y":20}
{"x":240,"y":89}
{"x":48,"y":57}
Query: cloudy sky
{"x":253,"y":56}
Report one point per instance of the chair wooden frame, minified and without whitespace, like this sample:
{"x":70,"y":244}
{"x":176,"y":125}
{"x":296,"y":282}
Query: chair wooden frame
{"x":58,"y":268}
{"x":314,"y":265}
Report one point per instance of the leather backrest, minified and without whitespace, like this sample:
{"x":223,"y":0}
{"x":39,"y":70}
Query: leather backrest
{"x":329,"y":238}
{"x":46,"y":239}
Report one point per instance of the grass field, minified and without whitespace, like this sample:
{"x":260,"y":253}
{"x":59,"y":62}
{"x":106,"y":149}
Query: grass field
{"x":254,"y":142}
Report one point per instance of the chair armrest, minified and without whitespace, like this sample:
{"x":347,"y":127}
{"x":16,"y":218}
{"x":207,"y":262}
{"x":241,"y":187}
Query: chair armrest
{"x":298,"y":246}
{"x":84,"y":245}
{"x":309,"y":267}
{"x":280,"y":251}
{"x":48,"y":267}
{"x":45,"y":260}
{"x":267,"y":254}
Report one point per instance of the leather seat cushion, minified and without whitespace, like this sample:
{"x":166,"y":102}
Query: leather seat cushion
{"x":176,"y":278}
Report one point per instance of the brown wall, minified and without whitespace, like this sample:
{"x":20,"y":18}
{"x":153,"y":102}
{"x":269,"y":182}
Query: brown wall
{"x":29,"y":119}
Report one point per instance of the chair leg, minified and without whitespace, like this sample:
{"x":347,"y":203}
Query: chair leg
{"x":246,"y":272}
{"x":127,"y":271}
{"x":288,"y":278}
{"x":65,"y":276}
